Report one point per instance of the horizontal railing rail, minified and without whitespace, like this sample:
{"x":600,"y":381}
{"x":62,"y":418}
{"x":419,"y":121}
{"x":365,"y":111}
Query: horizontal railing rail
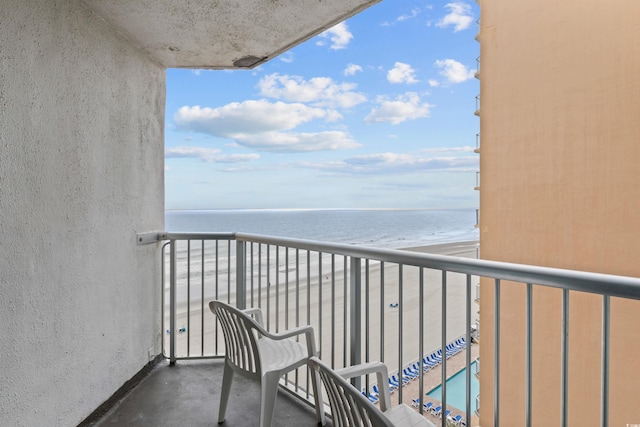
{"x":396,"y":306}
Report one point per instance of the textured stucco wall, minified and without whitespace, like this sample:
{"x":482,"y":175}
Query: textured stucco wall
{"x":559,"y":165}
{"x":81,"y":171}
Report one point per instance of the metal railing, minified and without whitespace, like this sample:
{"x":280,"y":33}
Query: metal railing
{"x":364,"y":303}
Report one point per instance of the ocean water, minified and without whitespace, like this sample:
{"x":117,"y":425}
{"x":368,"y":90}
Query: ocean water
{"x":393,"y":229}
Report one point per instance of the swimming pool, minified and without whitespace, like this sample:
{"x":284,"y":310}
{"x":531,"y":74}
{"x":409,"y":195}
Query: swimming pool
{"x":456,"y":389}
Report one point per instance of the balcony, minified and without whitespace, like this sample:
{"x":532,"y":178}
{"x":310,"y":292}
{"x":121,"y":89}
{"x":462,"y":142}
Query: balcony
{"x":365,"y":304}
{"x":188,"y":394}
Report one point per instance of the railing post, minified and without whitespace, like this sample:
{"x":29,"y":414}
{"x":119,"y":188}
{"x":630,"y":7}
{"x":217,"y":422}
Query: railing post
{"x":564,"y":368}
{"x":172,"y":303}
{"x":241,"y":294}
{"x":355,"y":323}
{"x":496,"y":352}
{"x":604,"y":391}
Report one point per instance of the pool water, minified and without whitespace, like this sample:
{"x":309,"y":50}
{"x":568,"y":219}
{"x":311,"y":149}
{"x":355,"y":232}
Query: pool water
{"x":456,"y":389}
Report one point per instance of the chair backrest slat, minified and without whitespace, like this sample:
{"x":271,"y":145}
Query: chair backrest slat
{"x":240,"y":335}
{"x":348,"y":406}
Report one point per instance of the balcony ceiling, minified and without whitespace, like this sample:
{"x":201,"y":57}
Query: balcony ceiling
{"x":222,"y":33}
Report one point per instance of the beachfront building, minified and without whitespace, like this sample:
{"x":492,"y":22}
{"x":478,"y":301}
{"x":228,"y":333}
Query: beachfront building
{"x":560,"y":97}
{"x":82,"y":94}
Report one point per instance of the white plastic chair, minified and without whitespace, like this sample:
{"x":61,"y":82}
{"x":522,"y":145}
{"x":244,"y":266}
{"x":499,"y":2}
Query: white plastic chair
{"x":349,"y":408}
{"x":255,"y":353}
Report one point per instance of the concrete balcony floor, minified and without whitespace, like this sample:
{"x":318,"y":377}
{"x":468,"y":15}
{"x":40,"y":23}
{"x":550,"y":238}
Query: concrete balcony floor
{"x":188,"y":394}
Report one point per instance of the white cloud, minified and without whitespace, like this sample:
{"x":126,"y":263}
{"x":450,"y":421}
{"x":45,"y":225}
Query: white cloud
{"x":459,"y":16}
{"x":401,"y":73}
{"x":297,"y":142}
{"x":246,"y":117}
{"x":454,"y":71}
{"x":352,"y":69}
{"x":210,"y":155}
{"x":464,"y":149}
{"x":405,"y":107}
{"x":414,"y":12}
{"x":396,"y":163}
{"x":287,"y":57}
{"x":321,"y":91}
{"x":260,"y":125}
{"x":339,"y":35}
{"x":434,"y":83}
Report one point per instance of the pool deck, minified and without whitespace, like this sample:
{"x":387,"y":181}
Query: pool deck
{"x":432,"y":379}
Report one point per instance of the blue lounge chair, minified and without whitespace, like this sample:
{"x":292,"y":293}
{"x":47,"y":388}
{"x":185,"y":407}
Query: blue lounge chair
{"x":416,"y":370}
{"x":427,"y":406}
{"x":432,"y":360}
{"x":371,"y":398}
{"x":436,"y":411}
{"x":395,"y":379}
{"x":393,"y":384}
{"x":429,"y":363}
{"x":375,"y":390}
{"x":416,"y":402}
{"x":456,"y":420}
{"x":446,"y":413}
{"x":408,"y":374}
{"x":416,"y":367}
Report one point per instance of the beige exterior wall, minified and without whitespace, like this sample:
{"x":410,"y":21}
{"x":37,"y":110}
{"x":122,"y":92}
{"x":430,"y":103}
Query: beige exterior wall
{"x":560,"y":172}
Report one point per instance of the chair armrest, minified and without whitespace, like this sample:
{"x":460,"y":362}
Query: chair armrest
{"x":382,"y":377}
{"x":300,"y":330}
{"x":256,"y":313}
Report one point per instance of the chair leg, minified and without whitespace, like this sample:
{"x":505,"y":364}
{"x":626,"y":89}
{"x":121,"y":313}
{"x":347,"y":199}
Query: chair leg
{"x":227,"y":378}
{"x":317,"y":395}
{"x":269,"y":386}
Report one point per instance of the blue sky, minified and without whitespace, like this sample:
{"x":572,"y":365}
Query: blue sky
{"x":376,"y":112}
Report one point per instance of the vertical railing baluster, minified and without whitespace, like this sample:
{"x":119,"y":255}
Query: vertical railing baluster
{"x":333,"y":310}
{"x":400,"y":329}
{"x":241,"y":298}
{"x":528,"y":356}
{"x":604,"y":410}
{"x":172,"y":303}
{"x":277,"y":288}
{"x":421,"y":339}
{"x":268,"y":316}
{"x":202,"y":299}
{"x":565,"y":358}
{"x":252,"y":277}
{"x":366,"y":311}
{"x":444,"y":344}
{"x":217,"y":282}
{"x":188,"y":298}
{"x":496,"y":352}
{"x":468,"y":349}
{"x":382,"y":311}
{"x":260,"y":275}
{"x":355,"y":301}
{"x":320,"y":304}
{"x":297,"y":302}
{"x":286,"y":288}
{"x":309,"y":309}
{"x":344,"y":310}
{"x":229,"y":272}
{"x":163,"y":292}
